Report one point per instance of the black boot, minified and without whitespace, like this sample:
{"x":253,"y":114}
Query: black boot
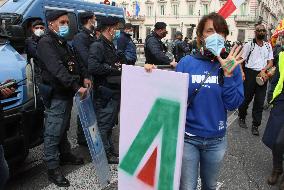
{"x":281,"y":186}
{"x":273,"y":178}
{"x":111,"y":158}
{"x":242,"y":123}
{"x":56,"y":177}
{"x":254,"y":130}
{"x":70,"y":159}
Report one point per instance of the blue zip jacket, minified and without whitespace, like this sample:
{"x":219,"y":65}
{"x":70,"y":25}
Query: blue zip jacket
{"x":207,"y":114}
{"x":127,"y":46}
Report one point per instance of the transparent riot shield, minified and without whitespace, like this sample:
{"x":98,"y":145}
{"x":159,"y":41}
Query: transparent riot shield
{"x":90,"y":127}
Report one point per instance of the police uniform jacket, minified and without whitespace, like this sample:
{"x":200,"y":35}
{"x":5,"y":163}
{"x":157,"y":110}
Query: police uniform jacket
{"x":81,"y":44}
{"x":101,"y":61}
{"x":155,"y":50}
{"x":126,"y":45}
{"x":60,"y":69}
{"x":180,"y":50}
{"x":31,"y":48}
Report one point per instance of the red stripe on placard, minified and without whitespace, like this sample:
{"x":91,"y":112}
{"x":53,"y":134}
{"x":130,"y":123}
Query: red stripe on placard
{"x":147,"y":174}
{"x":227,"y":9}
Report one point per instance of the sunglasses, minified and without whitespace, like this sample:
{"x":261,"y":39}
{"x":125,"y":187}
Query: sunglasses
{"x":261,"y":30}
{"x":39,"y":27}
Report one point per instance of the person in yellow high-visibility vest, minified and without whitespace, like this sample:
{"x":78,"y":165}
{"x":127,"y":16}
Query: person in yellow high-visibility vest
{"x":273,"y":136}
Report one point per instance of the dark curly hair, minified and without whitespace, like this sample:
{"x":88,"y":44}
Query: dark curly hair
{"x":219,"y":23}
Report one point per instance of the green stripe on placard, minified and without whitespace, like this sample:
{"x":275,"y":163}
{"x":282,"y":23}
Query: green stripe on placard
{"x":163,"y":115}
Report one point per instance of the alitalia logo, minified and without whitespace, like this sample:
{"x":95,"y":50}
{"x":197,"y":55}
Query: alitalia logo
{"x":164,"y":116}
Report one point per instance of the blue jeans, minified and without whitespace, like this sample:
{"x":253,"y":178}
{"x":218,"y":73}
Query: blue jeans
{"x":4,"y":170}
{"x":57,"y":123}
{"x":205,"y":154}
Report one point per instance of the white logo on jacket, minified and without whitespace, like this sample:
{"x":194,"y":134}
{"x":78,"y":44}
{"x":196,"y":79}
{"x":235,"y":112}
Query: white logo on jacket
{"x":221,"y":125}
{"x":199,"y":78}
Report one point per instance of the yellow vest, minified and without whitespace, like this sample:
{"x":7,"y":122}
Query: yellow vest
{"x":279,"y":87}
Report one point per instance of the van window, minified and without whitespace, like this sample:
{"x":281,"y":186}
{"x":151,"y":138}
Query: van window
{"x":73,"y":26}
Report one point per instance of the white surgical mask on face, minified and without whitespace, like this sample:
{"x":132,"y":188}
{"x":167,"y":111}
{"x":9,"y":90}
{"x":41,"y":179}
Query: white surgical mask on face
{"x":39,"y":32}
{"x":130,"y":33}
{"x":95,"y":24}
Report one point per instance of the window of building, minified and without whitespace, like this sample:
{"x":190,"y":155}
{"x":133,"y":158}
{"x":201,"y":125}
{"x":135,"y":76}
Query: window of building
{"x":241,"y":35}
{"x":191,"y":8}
{"x":189,"y":32}
{"x":149,"y":10}
{"x":148,"y":30}
{"x":173,"y":32}
{"x":244,"y":9}
{"x":162,"y":9}
{"x":175,"y":9}
{"x":205,"y":9}
{"x":134,"y":8}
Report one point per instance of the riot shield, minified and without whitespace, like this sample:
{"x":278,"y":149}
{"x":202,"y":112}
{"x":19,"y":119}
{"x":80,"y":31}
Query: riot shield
{"x":90,"y":127}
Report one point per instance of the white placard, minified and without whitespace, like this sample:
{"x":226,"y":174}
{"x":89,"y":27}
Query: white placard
{"x":152,"y":120}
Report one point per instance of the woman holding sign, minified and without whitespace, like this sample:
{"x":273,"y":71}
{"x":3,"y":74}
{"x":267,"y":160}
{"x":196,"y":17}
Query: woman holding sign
{"x":215,"y":86}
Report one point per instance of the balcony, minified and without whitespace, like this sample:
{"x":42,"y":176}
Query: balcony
{"x":136,"y":18}
{"x":245,"y":18}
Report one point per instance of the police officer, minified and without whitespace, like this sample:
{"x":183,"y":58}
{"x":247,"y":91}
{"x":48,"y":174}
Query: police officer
{"x":62,"y":77}
{"x":81,"y":45}
{"x":38,"y":29}
{"x":155,"y":51}
{"x":180,"y":49}
{"x":85,"y":37}
{"x":105,"y":65}
{"x":126,"y":45}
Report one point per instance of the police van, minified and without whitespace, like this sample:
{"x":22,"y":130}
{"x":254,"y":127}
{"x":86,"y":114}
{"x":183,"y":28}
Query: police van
{"x":23,"y":112}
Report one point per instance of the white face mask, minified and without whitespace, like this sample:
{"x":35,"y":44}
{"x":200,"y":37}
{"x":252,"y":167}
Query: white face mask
{"x":130,"y":33}
{"x":93,"y":23}
{"x":39,"y":32}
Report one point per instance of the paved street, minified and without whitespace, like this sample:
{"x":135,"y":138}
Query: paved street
{"x":246,"y":166}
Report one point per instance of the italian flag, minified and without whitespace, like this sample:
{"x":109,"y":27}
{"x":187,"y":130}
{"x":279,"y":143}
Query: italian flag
{"x":229,"y":7}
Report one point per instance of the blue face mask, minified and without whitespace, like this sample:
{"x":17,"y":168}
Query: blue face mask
{"x":116,"y":35}
{"x":215,"y":43}
{"x":63,"y":30}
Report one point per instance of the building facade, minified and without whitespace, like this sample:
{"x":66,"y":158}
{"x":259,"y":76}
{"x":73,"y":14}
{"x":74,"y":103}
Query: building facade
{"x":183,"y":15}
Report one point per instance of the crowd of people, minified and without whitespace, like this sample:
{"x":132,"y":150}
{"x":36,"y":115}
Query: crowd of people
{"x":94,"y":61}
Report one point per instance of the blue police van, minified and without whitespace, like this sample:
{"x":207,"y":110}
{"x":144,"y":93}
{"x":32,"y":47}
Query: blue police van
{"x":23,"y":112}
